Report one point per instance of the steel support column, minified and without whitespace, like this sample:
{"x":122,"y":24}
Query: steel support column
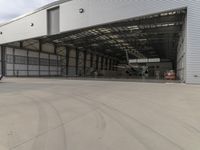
{"x":91,"y":59}
{"x":85,"y":59}
{"x":106,"y":67}
{"x":114,"y":65}
{"x":102,"y":63}
{"x":21,"y":44}
{"x":14,"y":62}
{"x":117,"y":62}
{"x":77,"y":61}
{"x":27,"y":63}
{"x":49,"y":68}
{"x":67,"y":60}
{"x":97,"y":62}
{"x":40,"y":50}
{"x":3,"y":61}
{"x":55,"y":49}
{"x":110,"y":63}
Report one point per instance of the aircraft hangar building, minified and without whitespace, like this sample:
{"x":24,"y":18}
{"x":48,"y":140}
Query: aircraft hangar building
{"x":104,"y":38}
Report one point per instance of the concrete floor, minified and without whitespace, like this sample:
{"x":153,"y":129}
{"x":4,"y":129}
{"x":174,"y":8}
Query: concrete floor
{"x":58,"y":114}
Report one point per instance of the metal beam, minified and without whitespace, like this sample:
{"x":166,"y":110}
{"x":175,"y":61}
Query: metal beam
{"x":14,"y":62}
{"x":27,"y":63}
{"x":77,"y":61}
{"x":3,"y":61}
{"x":67,"y":60}
{"x":102,"y":62}
{"x":106,"y":63}
{"x":21,"y":44}
{"x":91,"y":59}
{"x":97,"y":62}
{"x":49,"y":71}
{"x":154,"y":20}
{"x":40,"y":50}
{"x":84,"y":63}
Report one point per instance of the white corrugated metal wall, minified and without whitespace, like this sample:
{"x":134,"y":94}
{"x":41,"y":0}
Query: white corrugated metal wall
{"x":193,"y":43}
{"x":181,"y":53}
{"x":20,"y":62}
{"x":27,"y":62}
{"x":0,"y":60}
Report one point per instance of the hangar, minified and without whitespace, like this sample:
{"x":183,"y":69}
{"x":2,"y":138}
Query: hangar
{"x":104,"y":38}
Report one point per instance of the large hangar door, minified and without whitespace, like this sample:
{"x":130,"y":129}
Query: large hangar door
{"x":142,"y":39}
{"x":53,"y":21}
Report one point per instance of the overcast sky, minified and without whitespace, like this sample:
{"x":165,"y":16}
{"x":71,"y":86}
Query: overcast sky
{"x":10,"y":9}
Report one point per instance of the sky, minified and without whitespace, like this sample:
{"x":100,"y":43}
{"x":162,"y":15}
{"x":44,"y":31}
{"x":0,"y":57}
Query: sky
{"x":10,"y":9}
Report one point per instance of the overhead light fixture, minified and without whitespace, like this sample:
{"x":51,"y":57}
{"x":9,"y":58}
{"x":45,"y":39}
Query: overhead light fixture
{"x":105,"y":30}
{"x":111,"y":42}
{"x":172,"y":13}
{"x":171,"y":24}
{"x":133,"y":27}
{"x":142,"y":39}
{"x":120,"y":41}
{"x":163,"y":14}
{"x":114,"y":36}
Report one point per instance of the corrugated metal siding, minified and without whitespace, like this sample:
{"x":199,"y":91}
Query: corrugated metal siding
{"x":22,"y":29}
{"x":193,"y":43}
{"x":181,"y":53}
{"x":21,"y":62}
{"x":0,"y":61}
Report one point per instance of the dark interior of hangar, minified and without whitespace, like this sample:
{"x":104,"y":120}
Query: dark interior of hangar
{"x":145,"y":46}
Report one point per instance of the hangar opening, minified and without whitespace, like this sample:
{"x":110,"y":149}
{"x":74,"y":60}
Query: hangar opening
{"x":144,"y":47}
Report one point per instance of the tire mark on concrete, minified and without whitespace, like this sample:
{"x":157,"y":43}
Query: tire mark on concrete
{"x":64,"y":136}
{"x":99,"y":105}
{"x":40,"y":141}
{"x":94,"y":105}
{"x":51,"y":129}
{"x":180,"y":122}
{"x":101,"y":123}
{"x":46,"y":131}
{"x":78,"y":98}
{"x":115,"y":113}
{"x":184,"y":124}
